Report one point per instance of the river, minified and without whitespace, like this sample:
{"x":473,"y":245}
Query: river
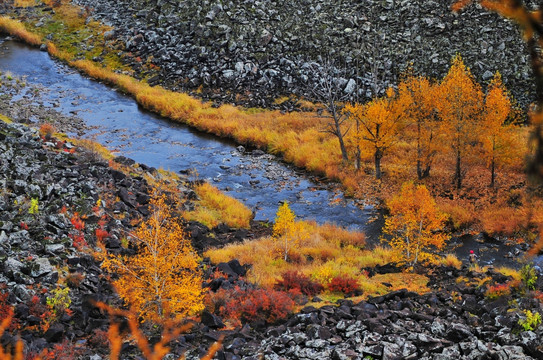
{"x":116,"y":121}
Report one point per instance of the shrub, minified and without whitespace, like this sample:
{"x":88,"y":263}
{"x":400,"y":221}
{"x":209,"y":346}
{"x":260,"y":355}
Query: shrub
{"x":528,"y":276}
{"x":325,"y":273}
{"x":497,"y":291}
{"x":47,"y":130}
{"x":6,"y":310}
{"x":294,"y":280}
{"x":60,"y":301}
{"x":343,"y":284}
{"x":74,"y":280}
{"x":531,"y":321}
{"x":63,"y":351}
{"x":256,"y":305}
{"x":34,"y":207}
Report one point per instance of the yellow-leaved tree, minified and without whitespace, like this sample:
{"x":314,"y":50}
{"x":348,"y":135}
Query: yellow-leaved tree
{"x":497,"y":140}
{"x":423,"y":120}
{"x":286,"y":231}
{"x":414,"y":223}
{"x":162,"y":278}
{"x":460,"y":108}
{"x":379,"y":123}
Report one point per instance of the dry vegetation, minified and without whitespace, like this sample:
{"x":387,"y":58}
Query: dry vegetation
{"x":214,"y":208}
{"x":328,"y":252}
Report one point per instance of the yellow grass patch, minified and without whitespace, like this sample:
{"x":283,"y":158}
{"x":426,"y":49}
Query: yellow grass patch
{"x":448,"y":260}
{"x":18,"y":30}
{"x":5,"y":119}
{"x":322,"y":253}
{"x":214,"y":208}
{"x":24,"y":3}
{"x":504,"y":270}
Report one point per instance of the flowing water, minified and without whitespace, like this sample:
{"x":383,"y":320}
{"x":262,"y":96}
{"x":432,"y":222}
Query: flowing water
{"x":259,"y":181}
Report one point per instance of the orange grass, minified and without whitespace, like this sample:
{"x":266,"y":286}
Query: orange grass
{"x":24,"y":3}
{"x":18,"y":30}
{"x":214,"y":207}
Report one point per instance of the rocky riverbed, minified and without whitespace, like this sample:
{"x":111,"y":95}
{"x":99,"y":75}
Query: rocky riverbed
{"x":251,"y":52}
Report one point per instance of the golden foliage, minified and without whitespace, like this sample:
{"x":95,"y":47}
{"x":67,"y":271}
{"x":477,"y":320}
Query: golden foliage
{"x":413,"y":221}
{"x":378,"y":124}
{"x":289,"y":234}
{"x":24,"y":3}
{"x":163,"y":277}
{"x":17,"y":30}
{"x":459,"y":107}
{"x":214,"y":207}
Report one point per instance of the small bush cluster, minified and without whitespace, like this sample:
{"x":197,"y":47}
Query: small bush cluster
{"x":255,"y":305}
{"x":344,"y":284}
{"x":496,"y":291}
{"x":531,"y":320}
{"x":294,"y":280}
{"x":528,"y":276}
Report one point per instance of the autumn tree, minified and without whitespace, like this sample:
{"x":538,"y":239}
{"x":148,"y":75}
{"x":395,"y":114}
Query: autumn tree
{"x":423,"y":118}
{"x":414,"y":223}
{"x":460,"y":107}
{"x":496,"y":139}
{"x":380,"y":122}
{"x":287,"y":232}
{"x":329,"y":92}
{"x":162,"y":278}
{"x":530,"y":20}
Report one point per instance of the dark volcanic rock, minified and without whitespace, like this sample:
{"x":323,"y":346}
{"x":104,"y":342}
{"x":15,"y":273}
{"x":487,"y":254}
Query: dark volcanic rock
{"x":261,"y":49}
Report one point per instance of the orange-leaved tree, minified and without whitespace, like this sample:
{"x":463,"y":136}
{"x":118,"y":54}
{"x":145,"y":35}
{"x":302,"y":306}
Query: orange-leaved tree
{"x":162,"y":278}
{"x":379,"y":123}
{"x":414,"y":223}
{"x":423,"y":119}
{"x":287,"y":232}
{"x":496,"y":137}
{"x":460,"y":108}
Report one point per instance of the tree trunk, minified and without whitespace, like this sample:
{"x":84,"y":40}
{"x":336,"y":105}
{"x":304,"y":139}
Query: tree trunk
{"x":378,"y":156}
{"x":492,"y":173}
{"x":458,"y":171}
{"x":357,"y":161}
{"x":493,"y":165}
{"x":344,"y":155}
{"x":419,"y":152}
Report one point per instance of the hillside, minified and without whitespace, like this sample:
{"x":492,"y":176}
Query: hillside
{"x":251,"y":52}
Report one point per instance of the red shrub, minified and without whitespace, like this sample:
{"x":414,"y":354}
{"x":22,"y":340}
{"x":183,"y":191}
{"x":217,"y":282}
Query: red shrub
{"x":77,"y":222}
{"x":42,"y":311}
{"x":256,"y":305}
{"x":101,"y":234}
{"x":343,"y":284}
{"x":498,"y":290}
{"x":293,"y":280}
{"x":63,"y":351}
{"x":99,"y":339}
{"x":6,"y":309}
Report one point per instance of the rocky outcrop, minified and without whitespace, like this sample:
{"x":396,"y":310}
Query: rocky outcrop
{"x":452,"y":321}
{"x":252,"y":51}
